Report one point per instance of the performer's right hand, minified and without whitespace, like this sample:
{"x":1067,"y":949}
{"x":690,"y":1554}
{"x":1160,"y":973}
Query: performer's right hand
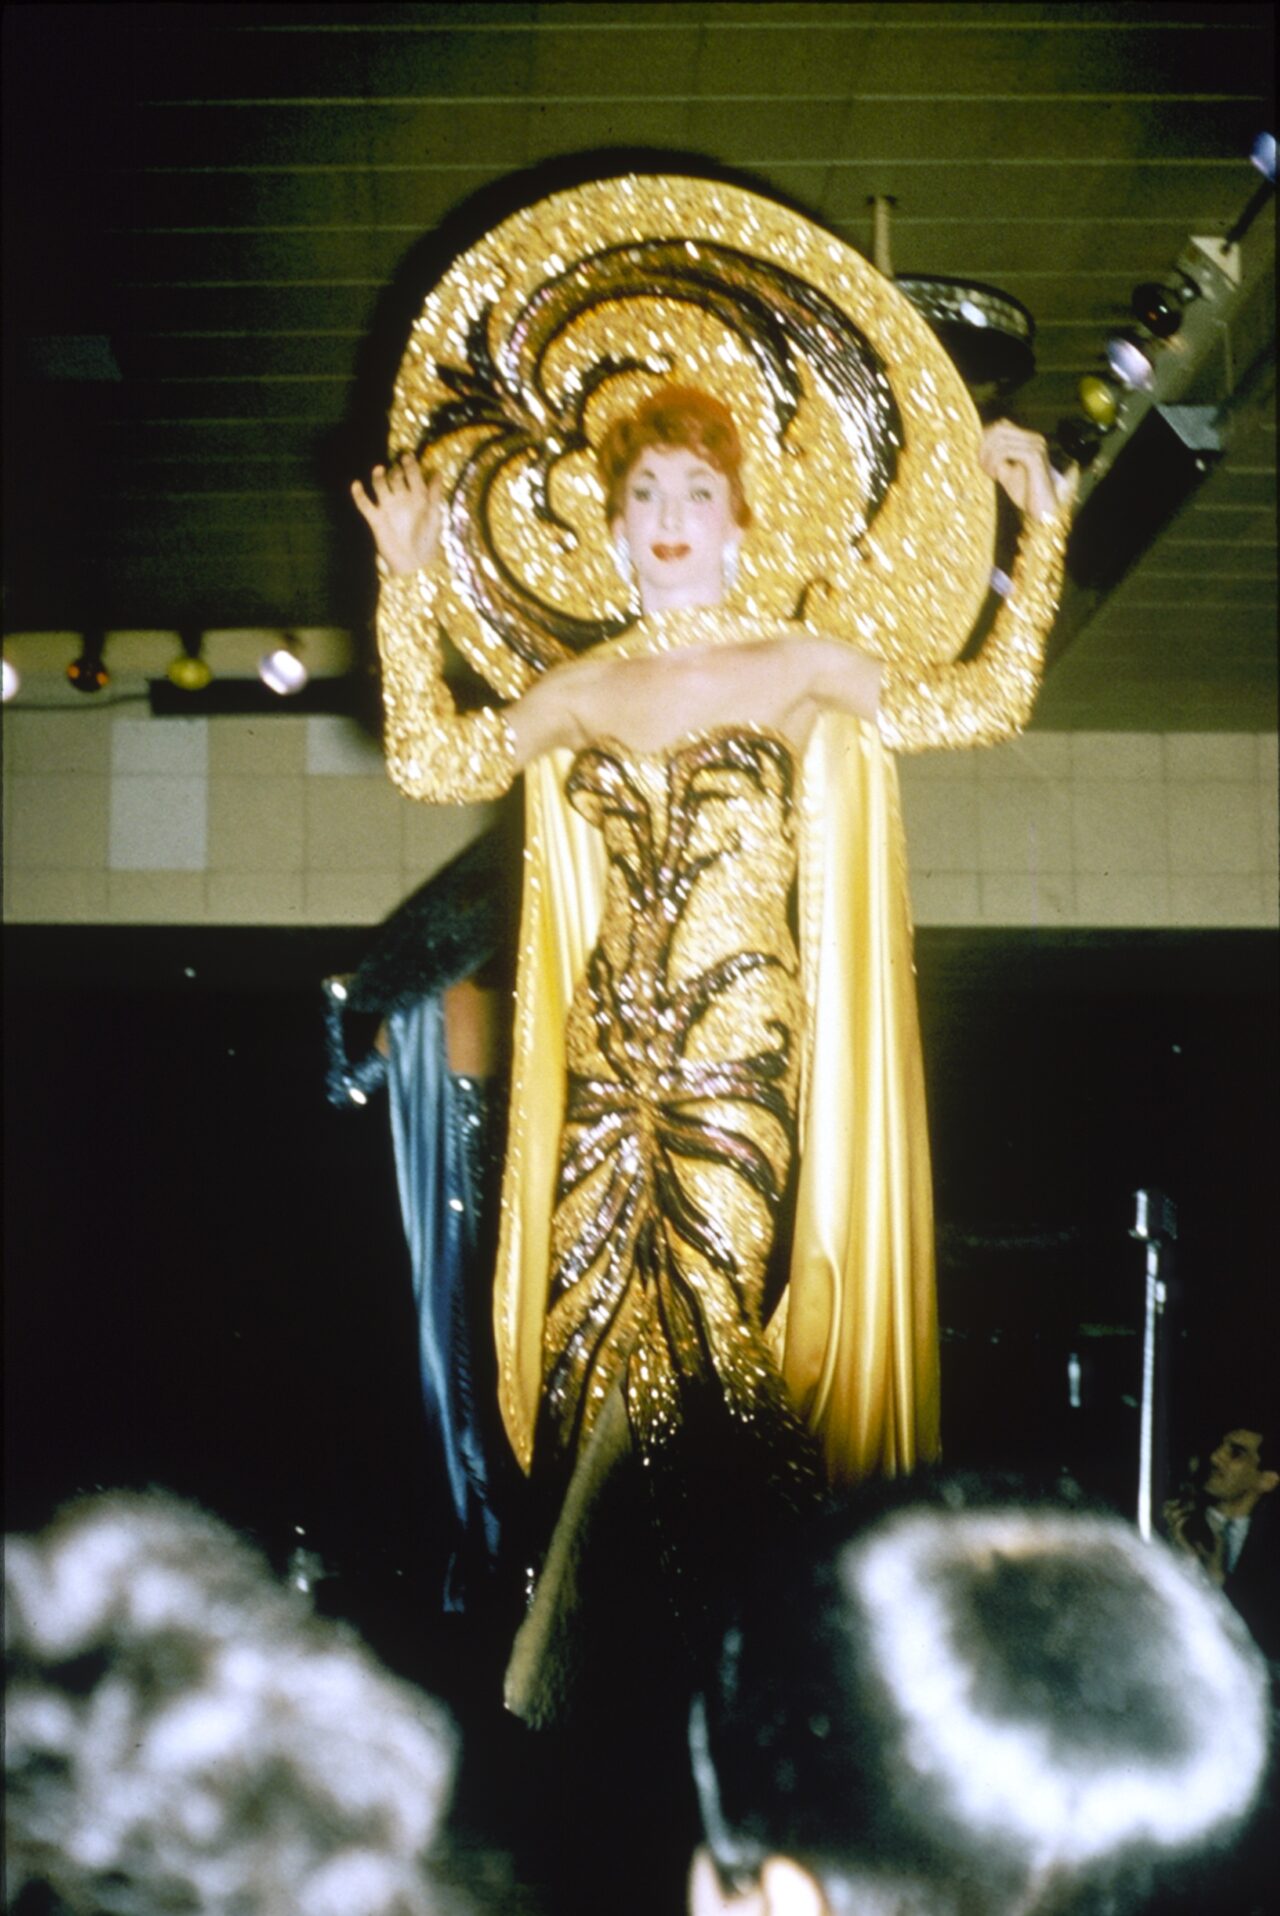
{"x":405,"y":513}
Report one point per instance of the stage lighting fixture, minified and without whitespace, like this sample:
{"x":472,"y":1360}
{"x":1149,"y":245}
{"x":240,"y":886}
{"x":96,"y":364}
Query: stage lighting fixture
{"x":1100,"y":400}
{"x":190,"y":671}
{"x":989,"y":334}
{"x":1130,"y":359}
{"x":282,"y":671}
{"x":1263,"y":156}
{"x":1079,"y":439}
{"x":12,"y":681}
{"x":88,"y":673}
{"x":1164,"y":464}
{"x":1160,"y":307}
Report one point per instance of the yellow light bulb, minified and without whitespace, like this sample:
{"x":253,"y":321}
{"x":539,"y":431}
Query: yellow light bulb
{"x":1098,"y":398}
{"x":189,"y":674}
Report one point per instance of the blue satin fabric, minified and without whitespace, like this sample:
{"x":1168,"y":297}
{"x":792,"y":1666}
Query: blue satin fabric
{"x":440,"y":1129}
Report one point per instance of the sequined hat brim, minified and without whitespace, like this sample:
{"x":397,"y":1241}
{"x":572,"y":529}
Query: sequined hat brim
{"x":869,"y":510}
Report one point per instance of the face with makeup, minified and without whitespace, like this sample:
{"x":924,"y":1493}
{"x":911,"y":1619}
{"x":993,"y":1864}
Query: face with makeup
{"x":678,"y":520}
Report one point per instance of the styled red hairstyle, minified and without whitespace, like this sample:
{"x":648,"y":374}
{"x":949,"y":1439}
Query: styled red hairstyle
{"x":674,"y":416}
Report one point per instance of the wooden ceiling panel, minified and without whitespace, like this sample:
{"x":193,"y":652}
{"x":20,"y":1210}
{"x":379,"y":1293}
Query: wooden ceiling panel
{"x":258,"y":477}
{"x":569,"y":126}
{"x":1046,"y":51}
{"x":1232,"y":559}
{"x":369,"y":61}
{"x":396,"y":194}
{"x":345,"y":306}
{"x":1071,"y":252}
{"x":298,"y":136}
{"x":239,"y":356}
{"x":235,"y":441}
{"x":634,"y":60}
{"x":906,"y":52}
{"x":1251,"y":488}
{"x":1025,"y":185}
{"x":1188,"y":644}
{"x":292,"y":398}
{"x":274,"y":257}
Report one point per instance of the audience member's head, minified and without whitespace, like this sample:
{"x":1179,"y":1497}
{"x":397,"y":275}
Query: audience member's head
{"x":970,"y":1706}
{"x":183,"y":1733}
{"x":1241,"y":1471}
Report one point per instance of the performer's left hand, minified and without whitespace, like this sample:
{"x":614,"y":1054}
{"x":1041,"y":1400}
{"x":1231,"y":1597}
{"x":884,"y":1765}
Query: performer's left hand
{"x":1019,"y":462}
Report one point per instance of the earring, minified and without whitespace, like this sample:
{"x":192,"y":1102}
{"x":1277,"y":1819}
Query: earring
{"x":622,"y":557}
{"x":729,"y":565}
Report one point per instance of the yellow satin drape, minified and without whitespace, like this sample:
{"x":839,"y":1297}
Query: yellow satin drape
{"x":856,"y":1331}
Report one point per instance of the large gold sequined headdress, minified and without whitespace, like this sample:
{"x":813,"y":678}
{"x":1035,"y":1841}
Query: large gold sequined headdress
{"x":869,"y":510}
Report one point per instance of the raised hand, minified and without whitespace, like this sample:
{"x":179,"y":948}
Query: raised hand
{"x":404,"y":514}
{"x":1019,"y":462}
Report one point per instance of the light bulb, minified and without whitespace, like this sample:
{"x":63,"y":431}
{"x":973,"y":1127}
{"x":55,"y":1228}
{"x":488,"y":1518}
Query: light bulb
{"x":190,"y":674}
{"x":1130,"y":362}
{"x":88,"y":674}
{"x":282,"y":672}
{"x":1158,"y":307}
{"x":1098,"y":399}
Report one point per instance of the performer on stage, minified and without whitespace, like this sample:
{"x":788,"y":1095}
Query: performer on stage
{"x":716,"y":1235}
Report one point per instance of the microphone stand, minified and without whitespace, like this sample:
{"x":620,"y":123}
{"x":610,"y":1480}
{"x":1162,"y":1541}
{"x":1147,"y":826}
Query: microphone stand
{"x":1156,"y":1224}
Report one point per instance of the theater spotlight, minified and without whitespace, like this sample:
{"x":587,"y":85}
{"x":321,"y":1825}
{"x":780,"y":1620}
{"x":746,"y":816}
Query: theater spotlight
{"x":1160,"y":307}
{"x":989,"y":334}
{"x":1100,"y":401}
{"x":1263,"y":156}
{"x":1079,"y":439}
{"x":282,"y":671}
{"x":12,"y":681}
{"x":190,"y":671}
{"x":88,"y":673}
{"x":1130,"y":359}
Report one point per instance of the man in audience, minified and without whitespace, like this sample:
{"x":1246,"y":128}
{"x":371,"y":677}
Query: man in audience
{"x":183,"y":1733}
{"x":1231,"y":1527}
{"x":974,"y":1706}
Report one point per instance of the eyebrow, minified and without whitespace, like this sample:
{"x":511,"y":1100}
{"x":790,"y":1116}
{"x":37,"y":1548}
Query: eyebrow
{"x":697,"y":471}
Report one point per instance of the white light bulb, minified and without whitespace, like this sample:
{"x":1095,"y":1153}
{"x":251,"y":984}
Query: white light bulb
{"x":12,"y":681}
{"x":1130,"y":364}
{"x":282,"y":672}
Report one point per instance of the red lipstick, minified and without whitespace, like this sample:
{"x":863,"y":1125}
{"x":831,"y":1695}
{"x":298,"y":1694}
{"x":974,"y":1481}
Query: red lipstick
{"x":665,"y":553}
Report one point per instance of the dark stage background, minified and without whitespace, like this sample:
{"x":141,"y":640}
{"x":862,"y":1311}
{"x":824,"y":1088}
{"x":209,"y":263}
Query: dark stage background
{"x":207,"y":1286}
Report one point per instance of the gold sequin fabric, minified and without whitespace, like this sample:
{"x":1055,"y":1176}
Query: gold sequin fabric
{"x":683,"y":1048}
{"x":989,"y":698}
{"x":434,"y":751}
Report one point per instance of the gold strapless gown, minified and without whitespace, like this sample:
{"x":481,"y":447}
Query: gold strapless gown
{"x":683,"y":1042}
{"x":682,"y":1046}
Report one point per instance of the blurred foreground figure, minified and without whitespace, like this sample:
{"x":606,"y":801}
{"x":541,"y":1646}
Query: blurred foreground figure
{"x":182,"y":1733}
{"x":976,"y":1708}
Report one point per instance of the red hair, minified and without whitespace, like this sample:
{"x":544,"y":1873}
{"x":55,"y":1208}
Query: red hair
{"x":673,"y":416}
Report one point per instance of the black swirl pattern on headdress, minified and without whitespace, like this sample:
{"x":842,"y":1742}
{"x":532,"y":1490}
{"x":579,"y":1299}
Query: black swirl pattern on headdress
{"x":780,"y":319}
